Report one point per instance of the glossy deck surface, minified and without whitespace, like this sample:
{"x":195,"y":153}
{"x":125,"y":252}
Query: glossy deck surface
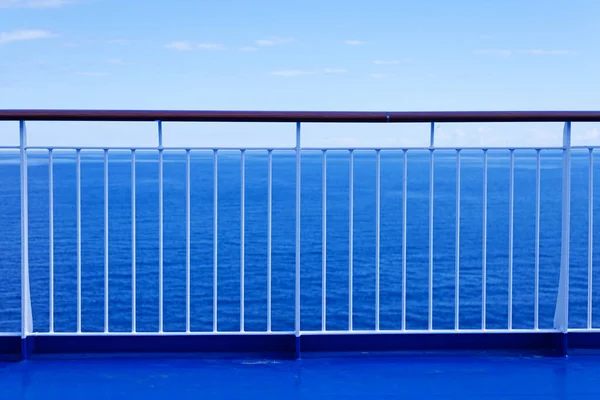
{"x":405,"y":376}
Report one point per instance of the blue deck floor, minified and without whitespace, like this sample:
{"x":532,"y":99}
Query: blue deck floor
{"x":422,"y":377}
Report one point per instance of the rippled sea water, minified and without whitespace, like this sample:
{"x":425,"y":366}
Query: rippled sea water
{"x":283,"y":240}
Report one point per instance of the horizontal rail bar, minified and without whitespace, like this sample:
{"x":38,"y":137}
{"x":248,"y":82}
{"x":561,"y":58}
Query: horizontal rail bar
{"x":164,"y":333}
{"x":147,"y":148}
{"x":307,"y":333}
{"x":427,"y":331}
{"x":298,"y":116}
{"x":345,"y":149}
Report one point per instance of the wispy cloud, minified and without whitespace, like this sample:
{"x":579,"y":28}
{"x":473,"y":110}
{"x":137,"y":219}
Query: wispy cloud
{"x":539,"y":52}
{"x":248,"y":48}
{"x":114,"y":61}
{"x":386,"y":62}
{"x":273,"y":41}
{"x":536,"y":52}
{"x":6,"y":82}
{"x":120,"y":42}
{"x":300,"y":72}
{"x":335,"y":71}
{"x":494,"y":52}
{"x":112,"y":42}
{"x":186,"y":45}
{"x":292,"y":72}
{"x":380,"y":76}
{"x":588,"y":136}
{"x":591,"y":134}
{"x":25,"y":34}
{"x":355,"y":42}
{"x":87,"y":73}
{"x":35,"y":3}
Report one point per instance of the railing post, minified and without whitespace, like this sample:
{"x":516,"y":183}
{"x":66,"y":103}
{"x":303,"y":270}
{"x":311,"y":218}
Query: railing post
{"x":431,"y":188}
{"x":26,"y":317}
{"x":297,"y":291}
{"x":160,"y":230}
{"x":561,"y":314}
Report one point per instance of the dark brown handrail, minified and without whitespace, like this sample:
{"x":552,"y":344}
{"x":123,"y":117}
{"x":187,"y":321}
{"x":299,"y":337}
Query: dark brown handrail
{"x":299,"y":116}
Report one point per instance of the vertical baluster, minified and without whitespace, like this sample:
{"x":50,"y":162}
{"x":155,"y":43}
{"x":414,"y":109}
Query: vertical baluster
{"x":133,"y":247}
{"x":269,"y":237}
{"x":78,"y":223}
{"x":324,"y":241}
{"x":377,"y":235}
{"x":188,"y":231}
{"x":484,"y":242}
{"x":536,"y":284}
{"x":404,"y":215}
{"x":351,"y":244}
{"x":51,"y":234}
{"x":457,"y":247}
{"x":511,"y":206}
{"x":215,"y":237}
{"x":106,"y":241}
{"x":160,"y":231}
{"x":242,"y":236}
{"x":590,"y":235}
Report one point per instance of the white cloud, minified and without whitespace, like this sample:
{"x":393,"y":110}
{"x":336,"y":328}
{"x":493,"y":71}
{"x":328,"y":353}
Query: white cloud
{"x":6,"y":82}
{"x":209,"y":46}
{"x":355,"y":42}
{"x":460,"y":133}
{"x":494,"y":52}
{"x":539,"y":52}
{"x":292,"y":72}
{"x":25,"y":34}
{"x":248,"y":48}
{"x":506,"y":52}
{"x":35,"y":3}
{"x":380,"y":76}
{"x":182,"y":46}
{"x":299,"y":72}
{"x":116,"y":42}
{"x":386,"y":62}
{"x":121,"y":42}
{"x":335,"y":70}
{"x":186,"y":45}
{"x":590,"y":134}
{"x":273,"y":41}
{"x":92,"y":73}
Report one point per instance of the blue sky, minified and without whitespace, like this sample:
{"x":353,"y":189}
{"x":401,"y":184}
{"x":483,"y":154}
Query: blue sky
{"x":302,"y":55}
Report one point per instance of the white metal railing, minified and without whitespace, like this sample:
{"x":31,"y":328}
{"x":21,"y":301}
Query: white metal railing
{"x":562,"y":304}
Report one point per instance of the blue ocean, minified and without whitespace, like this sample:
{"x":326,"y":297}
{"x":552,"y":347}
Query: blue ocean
{"x":283,"y":240}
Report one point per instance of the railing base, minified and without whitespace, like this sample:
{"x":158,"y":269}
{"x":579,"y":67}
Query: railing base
{"x":289,"y":346}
